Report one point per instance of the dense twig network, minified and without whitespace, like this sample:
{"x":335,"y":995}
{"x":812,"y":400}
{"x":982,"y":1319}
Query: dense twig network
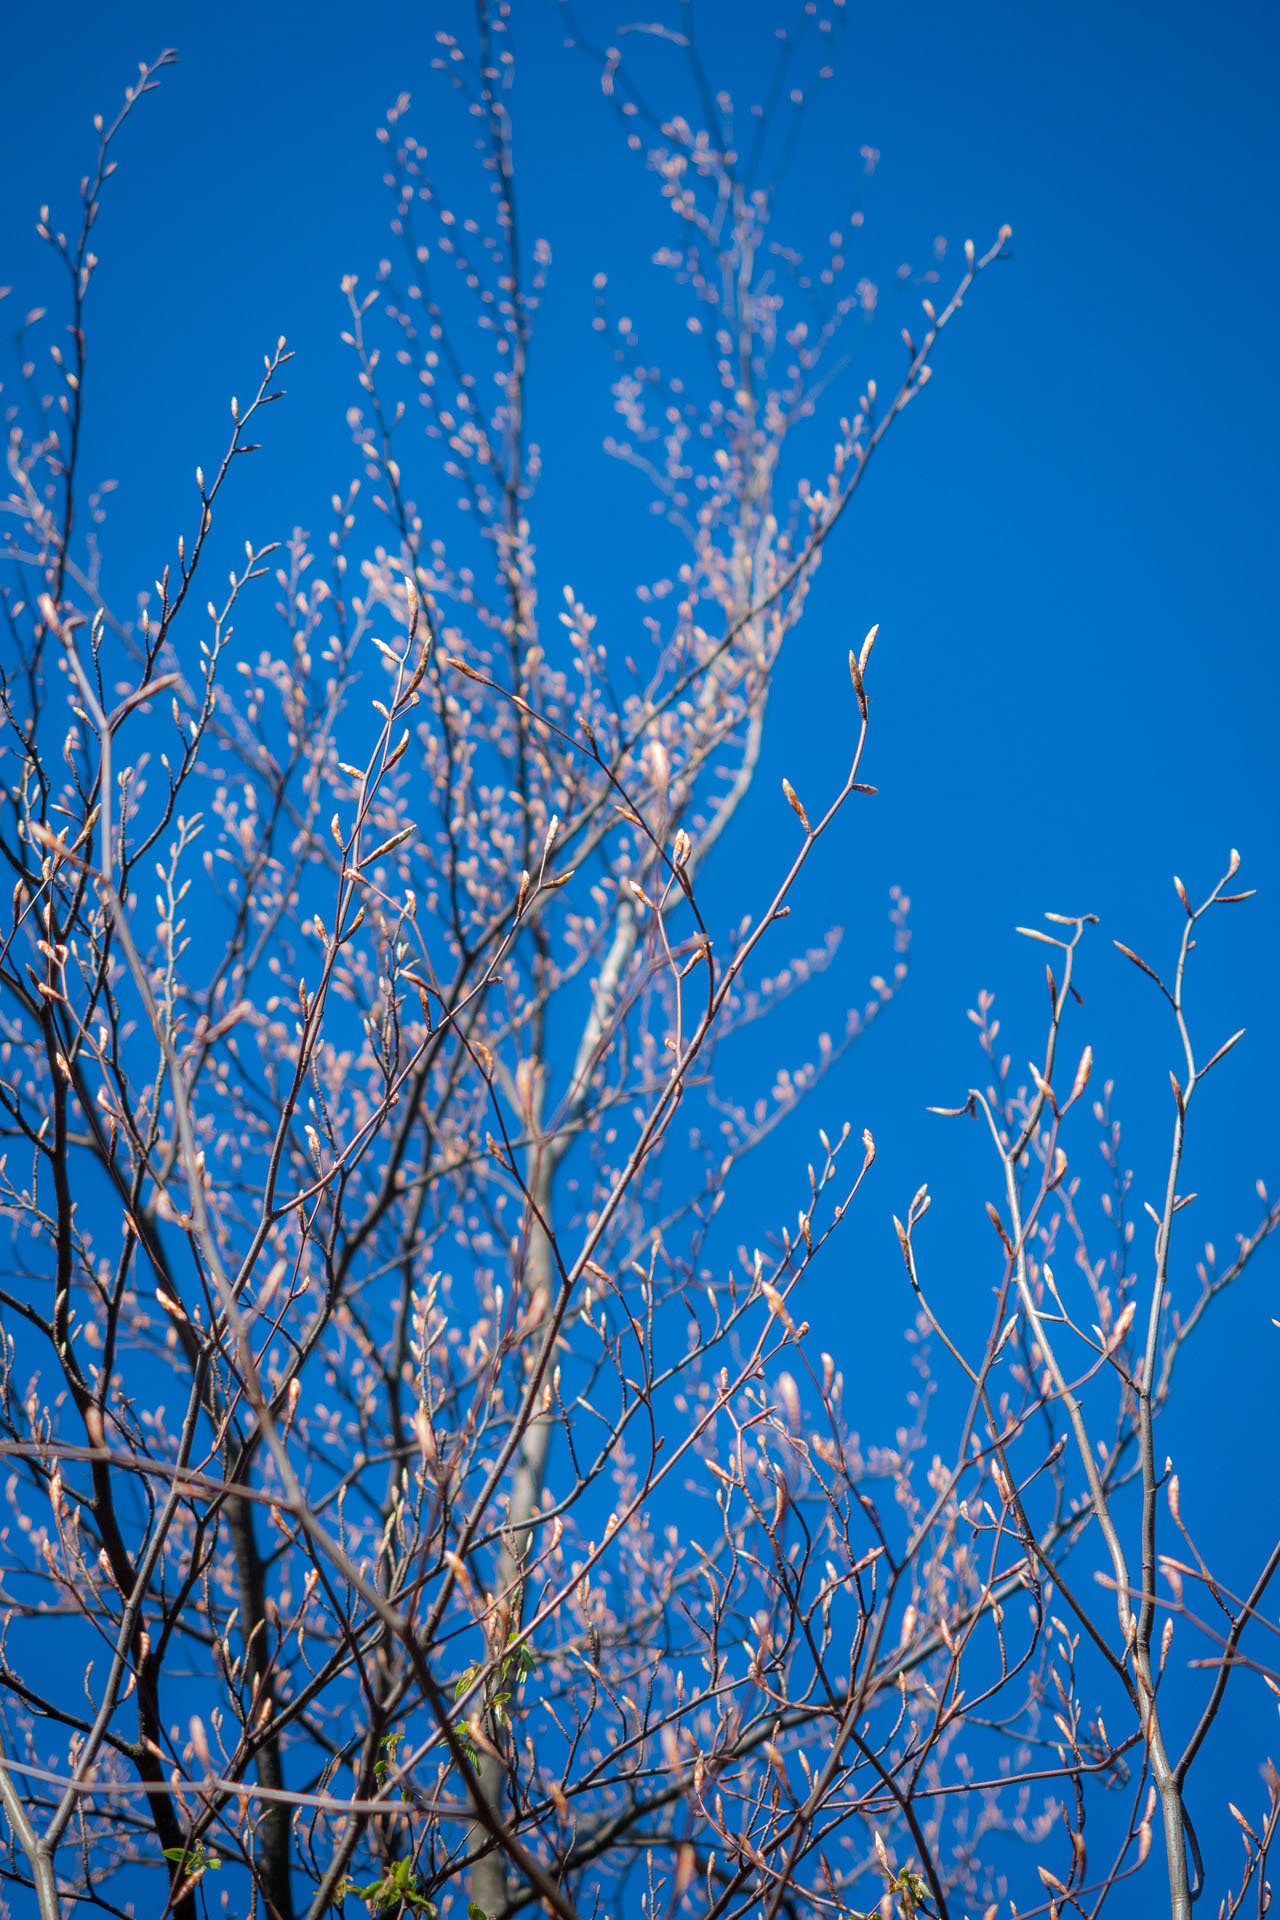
{"x":433,"y":1507}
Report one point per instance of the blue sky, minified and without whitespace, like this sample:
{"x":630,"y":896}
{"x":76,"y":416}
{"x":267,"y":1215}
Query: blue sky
{"x":1069,"y":542}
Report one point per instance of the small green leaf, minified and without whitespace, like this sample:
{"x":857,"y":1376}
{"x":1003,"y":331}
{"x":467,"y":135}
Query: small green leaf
{"x":196,"y":1858}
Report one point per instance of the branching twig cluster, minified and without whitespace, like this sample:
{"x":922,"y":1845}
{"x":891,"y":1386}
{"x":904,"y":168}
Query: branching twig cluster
{"x":428,"y":1501}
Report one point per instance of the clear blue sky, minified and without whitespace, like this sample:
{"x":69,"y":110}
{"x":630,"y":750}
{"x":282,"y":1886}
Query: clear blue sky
{"x":1070,"y":542}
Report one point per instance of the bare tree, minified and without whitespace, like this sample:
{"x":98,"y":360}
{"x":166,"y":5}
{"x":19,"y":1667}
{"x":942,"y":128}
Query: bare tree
{"x":428,"y":1502}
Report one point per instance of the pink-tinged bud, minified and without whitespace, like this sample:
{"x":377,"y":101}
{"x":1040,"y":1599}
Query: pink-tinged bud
{"x":1122,"y":1326}
{"x":1236,"y":1814}
{"x":789,"y":1395}
{"x":794,"y":803}
{"x":777,"y":1306}
{"x":423,"y":1433}
{"x":1083,"y":1071}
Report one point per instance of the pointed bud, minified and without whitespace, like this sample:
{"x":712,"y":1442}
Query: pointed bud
{"x":794,"y":803}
